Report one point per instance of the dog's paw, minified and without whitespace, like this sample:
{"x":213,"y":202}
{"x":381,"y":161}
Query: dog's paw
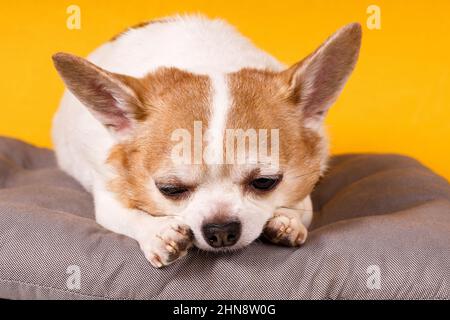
{"x":169,"y":244}
{"x":286,"y":229}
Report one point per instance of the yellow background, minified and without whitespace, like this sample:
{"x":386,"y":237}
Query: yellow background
{"x":398,"y":99}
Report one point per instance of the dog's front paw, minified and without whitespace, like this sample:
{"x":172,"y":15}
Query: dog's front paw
{"x":286,"y":229}
{"x":169,"y":244}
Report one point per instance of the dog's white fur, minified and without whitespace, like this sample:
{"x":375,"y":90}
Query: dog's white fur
{"x":82,"y":143}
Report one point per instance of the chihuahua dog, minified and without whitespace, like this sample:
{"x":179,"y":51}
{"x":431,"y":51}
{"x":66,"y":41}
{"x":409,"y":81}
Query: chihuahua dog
{"x":116,"y":128}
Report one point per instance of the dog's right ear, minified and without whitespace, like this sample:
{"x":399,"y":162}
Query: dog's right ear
{"x":112,"y":98}
{"x":317,"y":80}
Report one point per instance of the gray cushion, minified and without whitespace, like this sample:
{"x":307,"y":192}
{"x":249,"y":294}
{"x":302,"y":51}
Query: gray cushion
{"x":386,"y":211}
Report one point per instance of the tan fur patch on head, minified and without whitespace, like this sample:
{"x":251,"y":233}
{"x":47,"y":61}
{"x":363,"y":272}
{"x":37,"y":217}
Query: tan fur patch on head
{"x":173,"y":99}
{"x":136,"y":26}
{"x":261,"y":100}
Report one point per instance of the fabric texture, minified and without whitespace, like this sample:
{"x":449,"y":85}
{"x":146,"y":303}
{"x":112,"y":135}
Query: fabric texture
{"x":382,"y":217}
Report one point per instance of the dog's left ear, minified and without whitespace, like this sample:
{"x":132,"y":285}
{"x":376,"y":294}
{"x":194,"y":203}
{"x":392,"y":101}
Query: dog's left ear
{"x":316,"y":81}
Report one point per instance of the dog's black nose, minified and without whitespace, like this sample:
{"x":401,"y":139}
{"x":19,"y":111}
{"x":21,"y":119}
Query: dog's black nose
{"x":221,"y":235}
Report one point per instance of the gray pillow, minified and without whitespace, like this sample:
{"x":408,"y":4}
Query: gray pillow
{"x":381,"y":230}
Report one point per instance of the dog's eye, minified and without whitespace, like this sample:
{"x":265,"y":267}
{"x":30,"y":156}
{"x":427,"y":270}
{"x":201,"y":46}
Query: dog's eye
{"x":173,"y":191}
{"x":265,"y":183}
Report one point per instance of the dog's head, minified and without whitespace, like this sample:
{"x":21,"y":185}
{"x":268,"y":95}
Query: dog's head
{"x":222,"y":151}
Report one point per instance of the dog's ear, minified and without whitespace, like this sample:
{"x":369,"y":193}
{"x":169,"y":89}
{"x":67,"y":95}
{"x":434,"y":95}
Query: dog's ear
{"x":112,"y":98}
{"x":316,"y":81}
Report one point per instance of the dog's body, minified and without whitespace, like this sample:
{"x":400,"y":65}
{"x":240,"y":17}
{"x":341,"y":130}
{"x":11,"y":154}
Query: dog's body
{"x":113,"y":134}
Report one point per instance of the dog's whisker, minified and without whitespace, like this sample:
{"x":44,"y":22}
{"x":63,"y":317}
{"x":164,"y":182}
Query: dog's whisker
{"x":307,"y":174}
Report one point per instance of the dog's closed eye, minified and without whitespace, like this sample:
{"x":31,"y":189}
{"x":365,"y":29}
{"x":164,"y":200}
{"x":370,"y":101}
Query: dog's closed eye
{"x":173,"y":191}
